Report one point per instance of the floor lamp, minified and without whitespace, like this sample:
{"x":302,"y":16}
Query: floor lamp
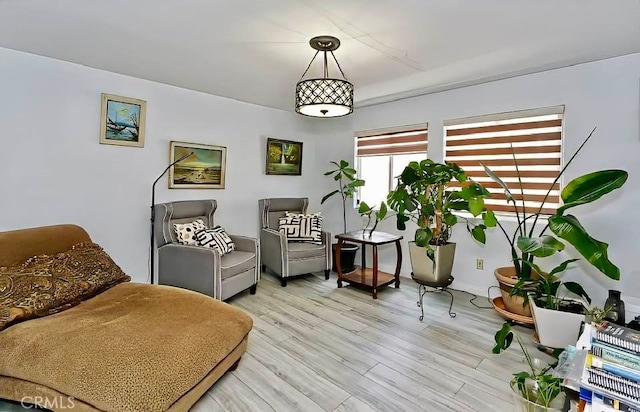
{"x":153,"y":210}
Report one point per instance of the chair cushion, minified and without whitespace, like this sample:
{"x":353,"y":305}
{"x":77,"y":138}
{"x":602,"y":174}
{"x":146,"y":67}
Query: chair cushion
{"x":186,"y":232}
{"x":305,"y":250}
{"x":237,"y":262}
{"x":215,"y":238}
{"x":301,"y":228}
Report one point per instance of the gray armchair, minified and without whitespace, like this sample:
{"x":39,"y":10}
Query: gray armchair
{"x":287,"y":259}
{"x":202,"y":269}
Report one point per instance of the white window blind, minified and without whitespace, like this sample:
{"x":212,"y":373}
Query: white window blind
{"x":536,"y":137}
{"x":382,"y":154}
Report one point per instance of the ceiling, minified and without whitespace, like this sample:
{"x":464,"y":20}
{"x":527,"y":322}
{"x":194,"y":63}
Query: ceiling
{"x":255,"y":51}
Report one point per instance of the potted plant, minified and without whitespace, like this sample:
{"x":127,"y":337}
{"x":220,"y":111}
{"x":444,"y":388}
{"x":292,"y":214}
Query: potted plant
{"x":424,"y":194}
{"x":526,"y":245}
{"x":345,"y":177}
{"x":536,"y":389}
{"x":370,"y":213}
{"x":557,"y":317}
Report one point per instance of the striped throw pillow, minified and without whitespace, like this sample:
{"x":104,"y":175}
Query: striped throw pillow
{"x":215,"y":238}
{"x":301,"y":228}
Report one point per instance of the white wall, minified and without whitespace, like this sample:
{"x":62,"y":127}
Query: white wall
{"x":55,"y":171}
{"x":605,"y":94}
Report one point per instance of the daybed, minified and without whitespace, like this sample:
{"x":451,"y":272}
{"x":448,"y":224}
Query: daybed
{"x":133,"y":347}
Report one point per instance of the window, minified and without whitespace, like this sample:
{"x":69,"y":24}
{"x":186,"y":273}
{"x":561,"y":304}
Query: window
{"x":536,"y":136}
{"x":383,"y":154}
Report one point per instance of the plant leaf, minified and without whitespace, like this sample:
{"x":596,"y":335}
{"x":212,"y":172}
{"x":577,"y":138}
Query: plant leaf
{"x":364,"y":208}
{"x":401,"y":221}
{"x":499,"y":181}
{"x":569,"y":228}
{"x":327,"y":196}
{"x":562,"y":267}
{"x":423,"y":236}
{"x":503,"y":338}
{"x":540,"y":246}
{"x":476,"y":205}
{"x":489,"y":218}
{"x":576,"y":288}
{"x":343,"y":164}
{"x":590,"y":187}
{"x":382,"y":213}
{"x":478,"y":233}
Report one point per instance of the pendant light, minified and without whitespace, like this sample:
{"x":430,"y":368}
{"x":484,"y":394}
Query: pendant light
{"x":326,"y":96}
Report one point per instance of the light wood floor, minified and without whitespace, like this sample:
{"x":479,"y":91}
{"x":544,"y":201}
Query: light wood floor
{"x":315,"y":347}
{"x":318,"y":348}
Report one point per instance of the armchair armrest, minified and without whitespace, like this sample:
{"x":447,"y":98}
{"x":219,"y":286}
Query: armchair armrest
{"x":326,"y":240}
{"x":190,"y":267}
{"x":245,"y":243}
{"x":273,"y":247}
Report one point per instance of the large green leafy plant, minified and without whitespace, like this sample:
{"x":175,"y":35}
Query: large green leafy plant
{"x":526,"y":245}
{"x":345,"y":176}
{"x":425,"y":195}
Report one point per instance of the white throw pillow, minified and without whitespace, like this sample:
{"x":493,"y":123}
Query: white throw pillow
{"x":185,"y":232}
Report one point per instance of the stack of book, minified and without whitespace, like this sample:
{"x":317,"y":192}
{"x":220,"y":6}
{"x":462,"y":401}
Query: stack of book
{"x":612,"y":369}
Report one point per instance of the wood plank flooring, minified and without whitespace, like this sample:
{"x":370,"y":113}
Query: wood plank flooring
{"x":315,"y":347}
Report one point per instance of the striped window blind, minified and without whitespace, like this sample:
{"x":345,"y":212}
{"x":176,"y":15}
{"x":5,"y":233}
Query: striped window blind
{"x":536,"y":137}
{"x":381,"y":155}
{"x":408,"y":140}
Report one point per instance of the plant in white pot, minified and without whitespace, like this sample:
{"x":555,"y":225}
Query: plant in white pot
{"x":345,"y":176}
{"x":424,"y":194}
{"x":526,"y":245}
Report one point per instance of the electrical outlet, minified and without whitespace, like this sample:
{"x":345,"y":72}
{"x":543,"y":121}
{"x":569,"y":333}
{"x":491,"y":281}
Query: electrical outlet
{"x":479,"y":264}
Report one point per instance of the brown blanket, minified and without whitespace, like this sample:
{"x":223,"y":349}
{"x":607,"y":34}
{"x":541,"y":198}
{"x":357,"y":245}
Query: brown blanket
{"x":134,"y":347}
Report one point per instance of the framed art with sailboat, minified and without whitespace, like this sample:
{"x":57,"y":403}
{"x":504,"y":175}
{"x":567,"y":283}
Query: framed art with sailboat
{"x":284,"y":157}
{"x":122,"y":121}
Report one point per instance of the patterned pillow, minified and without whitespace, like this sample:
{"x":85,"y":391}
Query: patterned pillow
{"x":185,"y":232}
{"x":301,"y":228}
{"x":44,"y":285}
{"x":215,"y":238}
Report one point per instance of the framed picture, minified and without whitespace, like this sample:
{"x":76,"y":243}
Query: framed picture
{"x":204,"y":168}
{"x":122,"y":121}
{"x":284,"y":157}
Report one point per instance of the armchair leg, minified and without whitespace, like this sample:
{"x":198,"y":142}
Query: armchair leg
{"x":326,"y":274}
{"x":252,"y":289}
{"x":283,"y":282}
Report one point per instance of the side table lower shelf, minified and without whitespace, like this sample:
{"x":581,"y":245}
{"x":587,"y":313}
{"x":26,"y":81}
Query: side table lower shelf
{"x":364,"y":277}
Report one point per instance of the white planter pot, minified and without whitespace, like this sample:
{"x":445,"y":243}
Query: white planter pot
{"x":556,"y":329}
{"x":423,"y":267}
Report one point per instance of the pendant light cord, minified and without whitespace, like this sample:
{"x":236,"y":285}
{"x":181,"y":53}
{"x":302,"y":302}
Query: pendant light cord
{"x":314,"y":57}
{"x":326,"y":65}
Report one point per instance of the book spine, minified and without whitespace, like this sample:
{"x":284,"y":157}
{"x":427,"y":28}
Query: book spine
{"x":618,"y":405}
{"x":599,"y":363}
{"x":615,"y":355}
{"x":613,"y":383}
{"x":619,"y":336}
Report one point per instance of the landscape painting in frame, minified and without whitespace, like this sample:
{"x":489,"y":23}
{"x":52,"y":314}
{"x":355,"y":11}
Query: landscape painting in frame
{"x":203,"y":169}
{"x":122,"y":121}
{"x":284,"y":157}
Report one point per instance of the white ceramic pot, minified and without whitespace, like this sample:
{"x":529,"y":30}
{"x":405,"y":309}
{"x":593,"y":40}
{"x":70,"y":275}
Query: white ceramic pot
{"x":556,"y":329}
{"x":423,"y":267}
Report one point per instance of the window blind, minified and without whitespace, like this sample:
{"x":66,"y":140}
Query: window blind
{"x":412,"y":139}
{"x":536,"y":137}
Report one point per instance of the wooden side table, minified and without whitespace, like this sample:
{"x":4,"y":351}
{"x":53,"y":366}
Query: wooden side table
{"x":364,"y":276}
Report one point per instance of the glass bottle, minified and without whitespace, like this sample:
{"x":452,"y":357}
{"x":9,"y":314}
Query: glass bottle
{"x":616,"y":315}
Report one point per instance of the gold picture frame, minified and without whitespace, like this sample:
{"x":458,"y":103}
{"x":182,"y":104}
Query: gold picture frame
{"x":284,"y":157}
{"x":205,"y":168}
{"x":122,"y":121}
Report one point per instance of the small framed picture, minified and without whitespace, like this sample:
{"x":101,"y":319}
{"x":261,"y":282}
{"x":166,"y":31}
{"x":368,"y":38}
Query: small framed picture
{"x":122,"y":121}
{"x":284,"y":157}
{"x":203,"y":168}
